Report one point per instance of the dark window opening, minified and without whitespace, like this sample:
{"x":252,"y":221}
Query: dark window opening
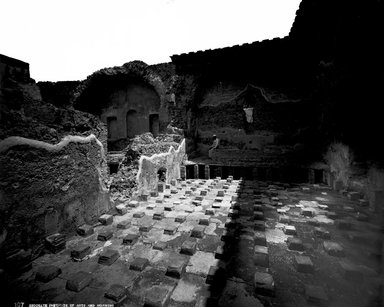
{"x":201,"y":171}
{"x":154,"y":124}
{"x":190,"y":171}
{"x":112,"y":127}
{"x":113,"y":168}
{"x":162,"y":174}
{"x":262,"y":174}
{"x":132,"y":124}
{"x":318,"y":176}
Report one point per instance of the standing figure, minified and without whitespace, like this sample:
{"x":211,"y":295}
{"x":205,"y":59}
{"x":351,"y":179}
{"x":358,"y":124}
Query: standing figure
{"x":215,"y":144}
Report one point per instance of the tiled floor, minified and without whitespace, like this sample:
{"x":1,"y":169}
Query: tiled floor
{"x":225,"y":242}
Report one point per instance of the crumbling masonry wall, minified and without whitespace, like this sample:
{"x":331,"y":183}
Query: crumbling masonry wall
{"x":148,"y":167}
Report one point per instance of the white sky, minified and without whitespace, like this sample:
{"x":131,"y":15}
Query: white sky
{"x":70,"y":39}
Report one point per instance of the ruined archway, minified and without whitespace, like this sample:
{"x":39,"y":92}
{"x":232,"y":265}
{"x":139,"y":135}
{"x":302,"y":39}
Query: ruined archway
{"x":132,"y":123}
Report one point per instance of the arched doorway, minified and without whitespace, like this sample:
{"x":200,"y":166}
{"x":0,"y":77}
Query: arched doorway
{"x":154,"y":124}
{"x":132,"y":124}
{"x":113,"y":128}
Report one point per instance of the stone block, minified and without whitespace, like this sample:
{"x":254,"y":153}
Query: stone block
{"x":176,"y":269}
{"x":264,"y":284}
{"x":259,"y":249}
{"x":169,"y":207}
{"x":170,"y":229}
{"x":177,"y":202}
{"x":196,"y":202}
{"x":261,"y":260}
{"x":105,"y":235}
{"x":167,"y":186}
{"x":121,"y":209}
{"x":284,"y":219}
{"x":220,"y":193}
{"x":188,"y":247}
{"x":78,"y":281}
{"x":159,"y":215}
{"x":47,"y":272}
{"x":85,"y":230}
{"x":290,"y":230}
{"x":218,"y":200}
{"x":130,"y":239}
{"x":106,"y":219}
{"x":151,"y":206}
{"x":145,"y":226}
{"x":154,"y":193}
{"x":159,"y":201}
{"x":188,"y":192}
{"x":174,"y":191}
{"x":259,"y":225}
{"x":210,"y":211}
{"x":203,"y":193}
{"x":315,"y":294}
{"x":333,"y":249}
{"x":80,"y":251}
{"x":199,"y":198}
{"x":295,"y":244}
{"x":322,"y":233}
{"x":198,"y":231}
{"x":216,"y":206}
{"x":167,"y":195}
{"x":108,"y":256}
{"x":133,"y":204}
{"x":139,"y":264}
{"x":160,"y":245}
{"x":204,"y":221}
{"x":308,"y":212}
{"x":260,"y":238}
{"x":258,"y":208}
{"x":331,"y":215}
{"x":124,"y":224}
{"x":56,"y":242}
{"x":116,"y":292}
{"x":259,"y":216}
{"x":139,"y":215}
{"x":304,"y":264}
{"x":180,"y":219}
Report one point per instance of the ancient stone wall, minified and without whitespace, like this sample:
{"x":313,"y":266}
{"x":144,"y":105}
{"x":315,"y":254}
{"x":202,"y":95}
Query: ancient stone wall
{"x":48,"y":188}
{"x":130,"y":99}
{"x":53,"y":167}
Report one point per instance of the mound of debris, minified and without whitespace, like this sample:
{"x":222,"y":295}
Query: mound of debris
{"x":123,"y":182}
